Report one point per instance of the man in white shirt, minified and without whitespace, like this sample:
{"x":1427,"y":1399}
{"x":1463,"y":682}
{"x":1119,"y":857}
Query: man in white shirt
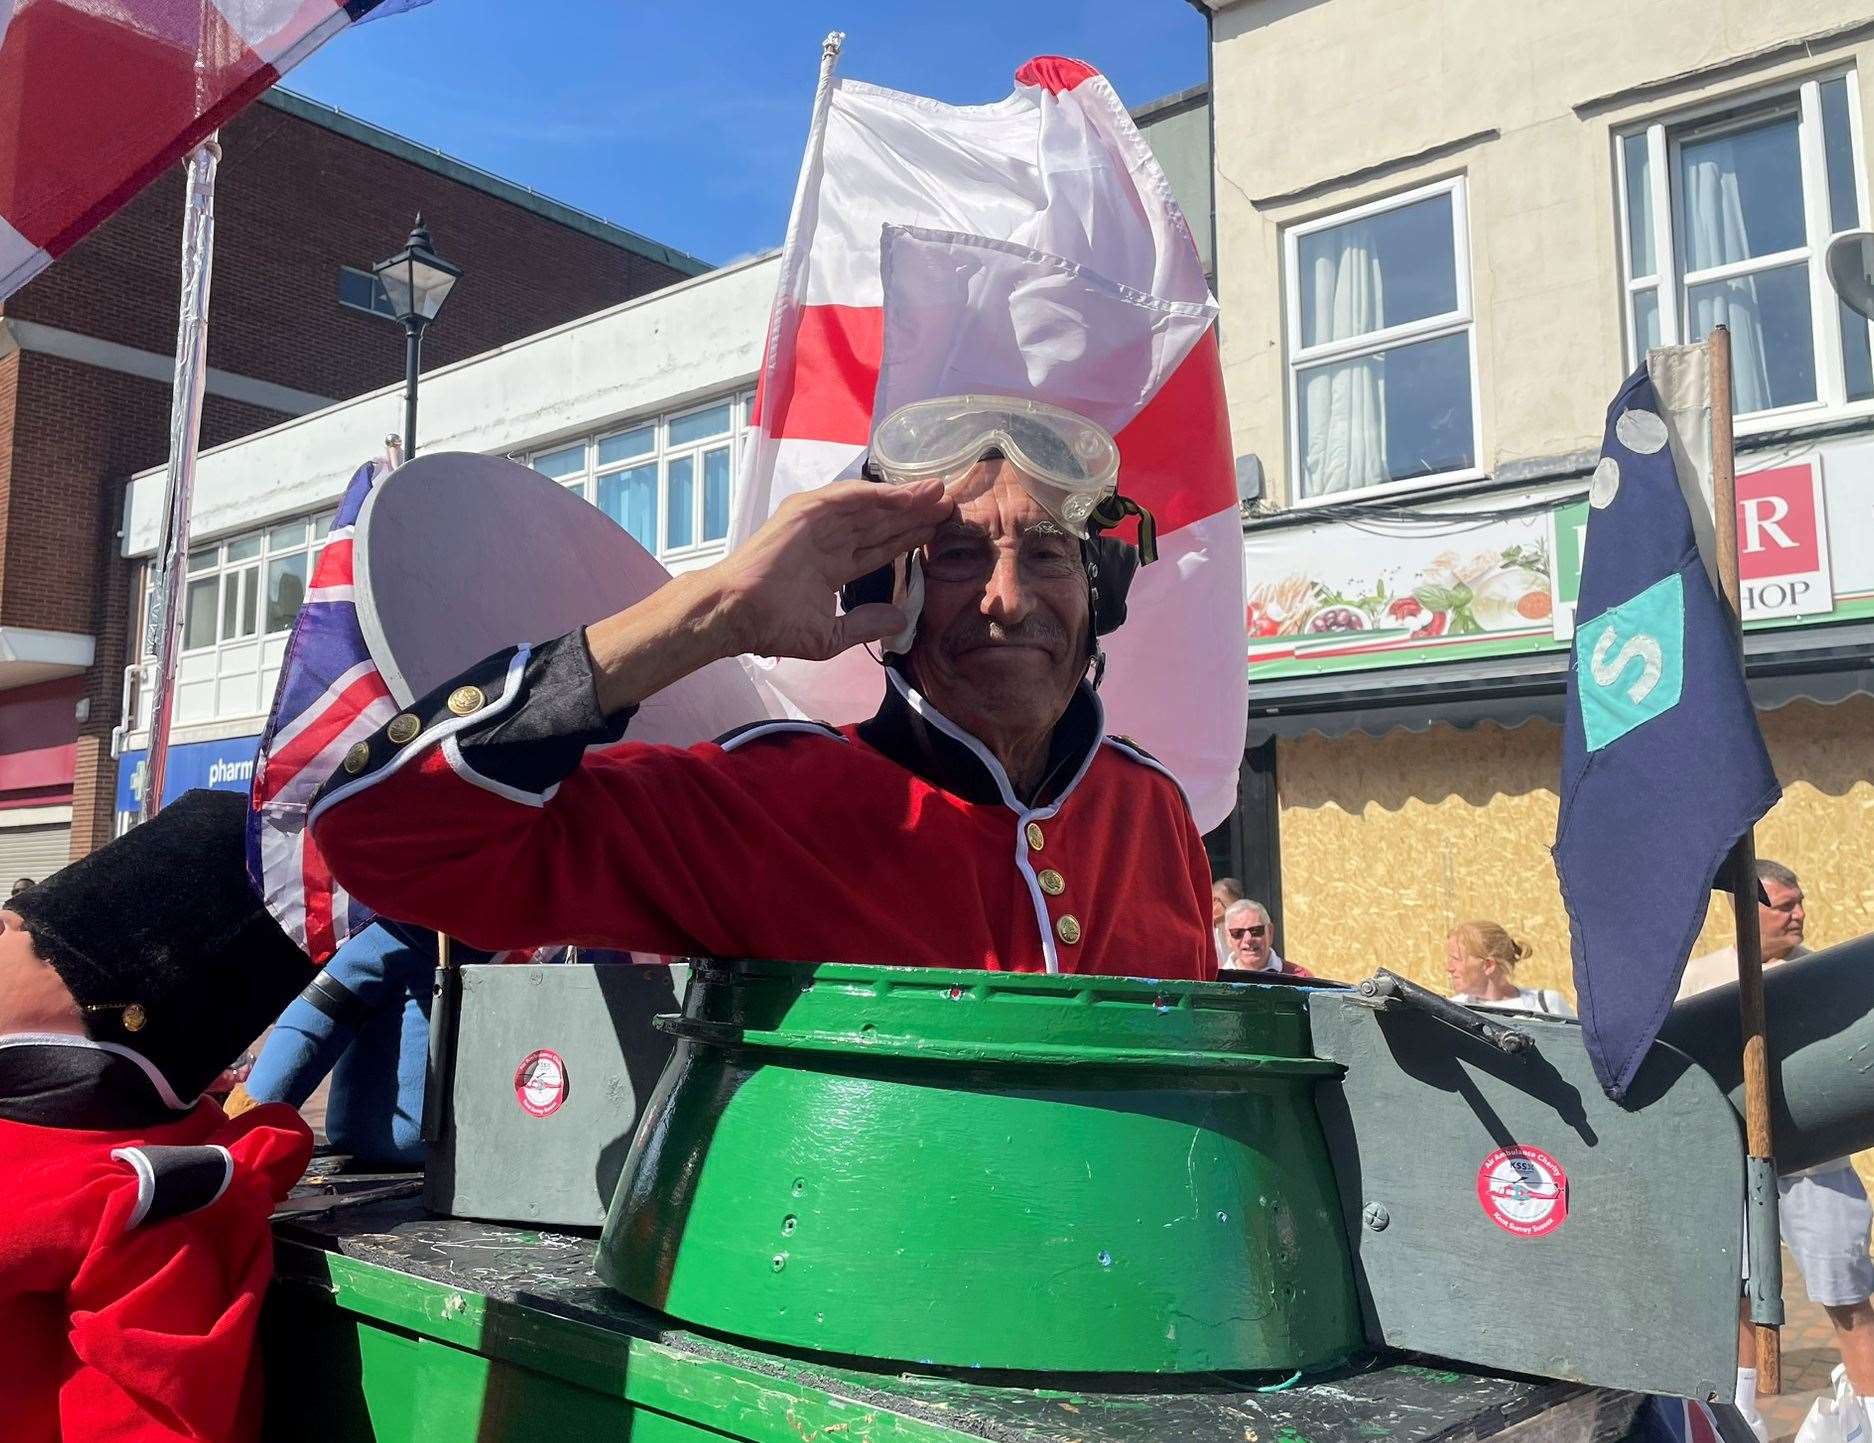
{"x":1251,"y":935}
{"x":1825,"y":1211}
{"x":1780,"y":921}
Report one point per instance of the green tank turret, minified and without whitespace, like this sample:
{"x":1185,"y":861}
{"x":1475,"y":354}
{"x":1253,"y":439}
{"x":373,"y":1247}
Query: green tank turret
{"x":899,"y":1203}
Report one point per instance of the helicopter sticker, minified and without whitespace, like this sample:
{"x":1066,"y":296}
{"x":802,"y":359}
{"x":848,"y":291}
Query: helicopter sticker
{"x":1523,"y":1190}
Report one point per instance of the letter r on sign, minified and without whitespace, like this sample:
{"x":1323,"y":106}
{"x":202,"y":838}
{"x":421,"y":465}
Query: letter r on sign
{"x":1763,"y":516}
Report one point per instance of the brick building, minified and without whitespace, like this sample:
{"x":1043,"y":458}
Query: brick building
{"x":307,"y":199}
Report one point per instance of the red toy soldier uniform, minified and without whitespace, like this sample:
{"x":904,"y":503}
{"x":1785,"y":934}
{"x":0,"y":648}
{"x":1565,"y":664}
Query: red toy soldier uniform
{"x":979,"y":819}
{"x":898,"y":840}
{"x":136,"y":1250}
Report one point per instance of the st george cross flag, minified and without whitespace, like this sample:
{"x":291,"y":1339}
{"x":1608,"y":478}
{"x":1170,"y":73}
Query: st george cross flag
{"x":1663,"y":767}
{"x":330,"y":697}
{"x":99,"y":97}
{"x":1056,"y":169}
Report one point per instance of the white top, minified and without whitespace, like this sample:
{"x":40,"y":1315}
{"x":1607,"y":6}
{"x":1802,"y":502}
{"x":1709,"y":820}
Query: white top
{"x":1716,"y":969}
{"x":1527,"y":999}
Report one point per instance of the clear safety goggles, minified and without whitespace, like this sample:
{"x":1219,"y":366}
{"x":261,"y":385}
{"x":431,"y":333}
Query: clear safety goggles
{"x":1068,"y":463}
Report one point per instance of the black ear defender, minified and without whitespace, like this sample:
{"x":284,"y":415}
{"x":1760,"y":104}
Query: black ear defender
{"x":1111,"y":564}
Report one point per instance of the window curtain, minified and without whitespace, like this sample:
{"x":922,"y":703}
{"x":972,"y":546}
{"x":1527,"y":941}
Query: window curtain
{"x":630,"y":499}
{"x":1344,"y":405}
{"x":1715,"y":236}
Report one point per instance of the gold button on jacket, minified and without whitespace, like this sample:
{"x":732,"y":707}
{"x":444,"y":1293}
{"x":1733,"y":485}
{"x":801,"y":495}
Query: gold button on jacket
{"x":1035,"y":839}
{"x":403,"y":728}
{"x":1068,"y":929}
{"x":467,"y":700}
{"x":1052,"y":882}
{"x":357,"y":758}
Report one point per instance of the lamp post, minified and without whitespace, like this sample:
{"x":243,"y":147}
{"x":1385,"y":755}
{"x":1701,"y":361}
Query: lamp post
{"x":416,"y":281}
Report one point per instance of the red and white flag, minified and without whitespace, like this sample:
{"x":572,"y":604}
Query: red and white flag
{"x":99,"y":97}
{"x":1058,"y":171}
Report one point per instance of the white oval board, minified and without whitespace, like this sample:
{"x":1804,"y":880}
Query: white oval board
{"x":457,"y":556}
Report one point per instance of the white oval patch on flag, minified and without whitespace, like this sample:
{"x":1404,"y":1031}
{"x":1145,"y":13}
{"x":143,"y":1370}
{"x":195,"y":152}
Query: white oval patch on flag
{"x":1640,"y":431}
{"x":1606,"y":484}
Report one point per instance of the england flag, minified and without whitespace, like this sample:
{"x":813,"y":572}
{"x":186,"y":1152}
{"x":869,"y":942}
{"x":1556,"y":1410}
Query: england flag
{"x":1058,"y":172}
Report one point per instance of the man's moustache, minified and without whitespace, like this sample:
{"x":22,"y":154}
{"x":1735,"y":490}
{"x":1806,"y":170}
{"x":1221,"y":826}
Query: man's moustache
{"x":1039,"y":633}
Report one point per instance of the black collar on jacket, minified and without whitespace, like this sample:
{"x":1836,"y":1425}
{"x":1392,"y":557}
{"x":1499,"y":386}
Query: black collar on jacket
{"x":49,"y":1080}
{"x":914,"y":734}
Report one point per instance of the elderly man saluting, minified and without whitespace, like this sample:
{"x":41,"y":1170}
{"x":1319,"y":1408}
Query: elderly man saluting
{"x":980,"y":818}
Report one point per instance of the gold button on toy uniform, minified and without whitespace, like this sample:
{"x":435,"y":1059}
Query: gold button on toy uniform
{"x":403,"y":728}
{"x":135,"y":1017}
{"x":467,"y":700}
{"x":1035,"y":838}
{"x":1068,"y":929}
{"x":357,"y":758}
{"x":1052,"y":882}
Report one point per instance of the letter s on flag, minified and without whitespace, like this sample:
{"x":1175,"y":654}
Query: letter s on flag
{"x":1645,"y":648}
{"x":1648,"y":629}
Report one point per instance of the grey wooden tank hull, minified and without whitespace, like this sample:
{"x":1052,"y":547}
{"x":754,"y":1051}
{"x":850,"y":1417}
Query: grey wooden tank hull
{"x":1820,"y":1012}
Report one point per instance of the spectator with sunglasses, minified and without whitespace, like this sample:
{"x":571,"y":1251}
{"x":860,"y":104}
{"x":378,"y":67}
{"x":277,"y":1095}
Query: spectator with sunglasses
{"x":1251,"y":935}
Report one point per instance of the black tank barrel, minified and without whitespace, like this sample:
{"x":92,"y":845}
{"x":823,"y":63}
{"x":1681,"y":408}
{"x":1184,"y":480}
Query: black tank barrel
{"x":1820,"y":1012}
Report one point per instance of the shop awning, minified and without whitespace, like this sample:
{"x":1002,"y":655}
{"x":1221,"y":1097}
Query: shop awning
{"x":1826,"y":664}
{"x":29,"y":656}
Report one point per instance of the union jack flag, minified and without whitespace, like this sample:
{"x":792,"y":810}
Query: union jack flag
{"x":330,"y":697}
{"x":1677,"y":1420}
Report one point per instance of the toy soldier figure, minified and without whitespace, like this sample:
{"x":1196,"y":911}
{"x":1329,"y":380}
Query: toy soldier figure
{"x":980,"y":819}
{"x":136,"y":1247}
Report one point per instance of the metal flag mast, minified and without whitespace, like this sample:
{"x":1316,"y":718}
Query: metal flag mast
{"x":164,"y":635}
{"x":1763,"y":1245}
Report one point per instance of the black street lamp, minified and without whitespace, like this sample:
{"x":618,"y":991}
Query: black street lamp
{"x":416,"y":281}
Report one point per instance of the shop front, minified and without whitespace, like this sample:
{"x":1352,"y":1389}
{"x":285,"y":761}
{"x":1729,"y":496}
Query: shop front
{"x":225,"y":764}
{"x":1410,"y":672}
{"x":38,"y":752}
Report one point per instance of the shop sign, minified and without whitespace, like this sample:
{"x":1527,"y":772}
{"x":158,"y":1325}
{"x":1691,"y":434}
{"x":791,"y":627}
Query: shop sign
{"x":226,"y":765}
{"x":1805,"y":539}
{"x":1782,"y":543}
{"x":1350,"y":596}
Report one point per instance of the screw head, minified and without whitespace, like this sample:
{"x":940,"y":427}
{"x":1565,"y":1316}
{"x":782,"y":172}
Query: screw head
{"x":1376,"y":1217}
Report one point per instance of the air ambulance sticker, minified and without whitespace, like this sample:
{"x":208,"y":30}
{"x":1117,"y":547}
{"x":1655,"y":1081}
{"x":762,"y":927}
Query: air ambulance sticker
{"x":541,"y":1083}
{"x":1523,"y":1190}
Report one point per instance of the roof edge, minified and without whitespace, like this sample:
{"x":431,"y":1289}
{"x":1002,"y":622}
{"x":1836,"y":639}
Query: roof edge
{"x":390,"y":143}
{"x":1187,"y":99}
{"x":395,"y":388}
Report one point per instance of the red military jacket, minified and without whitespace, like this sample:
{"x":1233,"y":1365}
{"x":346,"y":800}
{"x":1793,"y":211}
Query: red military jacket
{"x":482,"y":813}
{"x":135,"y":1249}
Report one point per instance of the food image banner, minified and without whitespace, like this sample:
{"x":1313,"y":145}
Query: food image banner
{"x":1350,"y":595}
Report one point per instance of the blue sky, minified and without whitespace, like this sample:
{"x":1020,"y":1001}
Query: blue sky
{"x":686,"y":121}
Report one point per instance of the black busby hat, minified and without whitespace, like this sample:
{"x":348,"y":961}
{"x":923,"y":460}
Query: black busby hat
{"x":164,"y":943}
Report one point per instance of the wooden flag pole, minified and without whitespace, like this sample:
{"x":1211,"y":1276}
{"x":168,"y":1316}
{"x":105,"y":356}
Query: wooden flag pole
{"x":1743,"y":862}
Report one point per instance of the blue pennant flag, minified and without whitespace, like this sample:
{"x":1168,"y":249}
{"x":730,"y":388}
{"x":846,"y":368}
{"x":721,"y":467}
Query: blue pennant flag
{"x":1663,"y":767}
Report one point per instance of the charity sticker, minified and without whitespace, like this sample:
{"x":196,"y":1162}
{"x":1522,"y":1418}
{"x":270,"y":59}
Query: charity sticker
{"x":1523,"y":1190}
{"x":540,"y":1083}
